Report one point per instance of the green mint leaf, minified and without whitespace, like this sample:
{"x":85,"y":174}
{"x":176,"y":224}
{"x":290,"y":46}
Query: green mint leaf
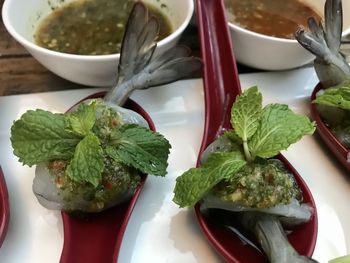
{"x":246,"y":112}
{"x":343,"y":259}
{"x":196,"y":182}
{"x":140,"y":148}
{"x":40,"y":136}
{"x":337,"y":97}
{"x":83,"y":119}
{"x":233,"y":137}
{"x":279,"y":127}
{"x":87,"y":164}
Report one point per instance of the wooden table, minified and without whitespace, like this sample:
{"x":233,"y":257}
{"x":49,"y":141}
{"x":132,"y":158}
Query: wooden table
{"x":20,"y":73}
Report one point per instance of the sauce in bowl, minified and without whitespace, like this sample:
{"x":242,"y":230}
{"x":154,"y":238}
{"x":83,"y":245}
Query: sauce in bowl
{"x":91,"y":27}
{"x":275,"y":18}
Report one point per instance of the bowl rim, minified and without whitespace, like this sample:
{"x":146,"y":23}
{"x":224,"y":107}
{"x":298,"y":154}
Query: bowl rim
{"x":26,"y":43}
{"x":278,"y":39}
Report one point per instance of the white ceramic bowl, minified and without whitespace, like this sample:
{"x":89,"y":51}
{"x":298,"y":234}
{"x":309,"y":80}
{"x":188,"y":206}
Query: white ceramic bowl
{"x":272,"y":53}
{"x":21,"y":18}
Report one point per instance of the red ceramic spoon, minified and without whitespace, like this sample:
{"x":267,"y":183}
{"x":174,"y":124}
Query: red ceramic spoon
{"x":221,"y":86}
{"x":4,"y":208}
{"x":327,"y":136}
{"x":98,"y":237}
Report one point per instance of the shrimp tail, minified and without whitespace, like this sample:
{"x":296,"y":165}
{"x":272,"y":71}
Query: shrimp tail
{"x":324,"y":42}
{"x":272,"y":238}
{"x":138,"y":68}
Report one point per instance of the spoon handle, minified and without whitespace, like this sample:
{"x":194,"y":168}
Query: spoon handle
{"x":96,"y":238}
{"x":4,"y":208}
{"x":221,"y":81}
{"x":221,"y":86}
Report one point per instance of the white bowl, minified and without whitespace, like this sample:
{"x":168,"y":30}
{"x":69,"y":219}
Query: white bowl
{"x":21,"y":18}
{"x":272,"y":53}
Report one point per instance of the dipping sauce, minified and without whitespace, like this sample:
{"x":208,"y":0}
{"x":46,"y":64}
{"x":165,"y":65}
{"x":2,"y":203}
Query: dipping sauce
{"x":91,"y":27}
{"x":277,"y":18}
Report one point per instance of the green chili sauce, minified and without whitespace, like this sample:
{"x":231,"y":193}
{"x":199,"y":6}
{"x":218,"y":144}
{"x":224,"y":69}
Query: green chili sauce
{"x":260,"y":185}
{"x":91,"y":27}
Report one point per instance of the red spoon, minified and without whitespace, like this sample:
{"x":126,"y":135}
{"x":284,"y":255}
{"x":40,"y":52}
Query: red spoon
{"x":221,"y":86}
{"x":327,"y":136}
{"x":97,"y":238}
{"x":4,"y":208}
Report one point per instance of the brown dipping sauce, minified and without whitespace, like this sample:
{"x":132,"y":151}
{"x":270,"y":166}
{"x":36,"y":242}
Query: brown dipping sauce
{"x":92,"y":27}
{"x":277,"y":18}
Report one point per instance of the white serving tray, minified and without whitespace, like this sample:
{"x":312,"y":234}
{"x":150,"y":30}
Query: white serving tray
{"x":159,"y":231}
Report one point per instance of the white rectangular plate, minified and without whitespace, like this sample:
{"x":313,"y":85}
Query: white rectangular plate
{"x":159,"y":231}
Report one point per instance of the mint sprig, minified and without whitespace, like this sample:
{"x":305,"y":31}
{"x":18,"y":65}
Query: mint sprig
{"x":279,"y":127}
{"x":272,"y":128}
{"x":141,"y":148}
{"x":40,"y":136}
{"x":261,"y":132}
{"x":196,"y":182}
{"x":343,"y":259}
{"x":83,"y":119}
{"x":338,"y":96}
{"x":245,"y":115}
{"x":87,"y":163}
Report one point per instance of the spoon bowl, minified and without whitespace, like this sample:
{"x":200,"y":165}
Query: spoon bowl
{"x":233,"y":249}
{"x":97,"y":237}
{"x":221,"y":86}
{"x":339,"y":151}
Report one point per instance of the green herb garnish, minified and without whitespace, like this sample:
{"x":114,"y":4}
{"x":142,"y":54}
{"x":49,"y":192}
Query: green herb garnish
{"x":343,"y":259}
{"x":338,"y":96}
{"x":258,"y":133}
{"x":138,"y":147}
{"x":78,"y":139}
{"x":40,"y":136}
{"x":195,"y":183}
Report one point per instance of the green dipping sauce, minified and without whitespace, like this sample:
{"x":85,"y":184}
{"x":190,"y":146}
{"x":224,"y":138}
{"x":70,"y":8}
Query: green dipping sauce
{"x":91,"y":27}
